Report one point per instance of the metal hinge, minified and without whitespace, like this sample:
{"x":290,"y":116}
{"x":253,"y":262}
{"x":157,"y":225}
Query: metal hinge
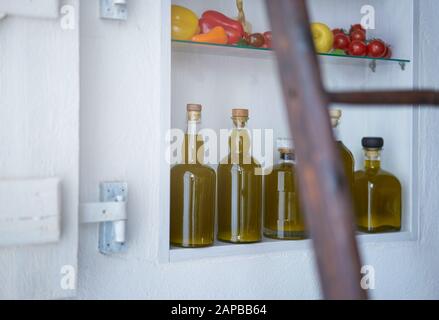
{"x":114,"y":9}
{"x":111,"y":214}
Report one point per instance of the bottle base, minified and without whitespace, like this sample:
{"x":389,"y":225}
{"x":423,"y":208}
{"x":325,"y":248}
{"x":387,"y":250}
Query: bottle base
{"x":285,"y":235}
{"x":381,"y":229}
{"x":191,"y":246}
{"x":239,"y":241}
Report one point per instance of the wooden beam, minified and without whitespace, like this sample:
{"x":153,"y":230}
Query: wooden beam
{"x":386,"y":97}
{"x":324,"y":188}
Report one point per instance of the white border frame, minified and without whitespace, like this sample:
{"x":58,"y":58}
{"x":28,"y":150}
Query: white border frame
{"x":168,"y":255}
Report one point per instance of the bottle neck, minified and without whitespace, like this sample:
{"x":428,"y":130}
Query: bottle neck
{"x":336,"y":132}
{"x":193,"y":148}
{"x":239,"y":122}
{"x":192,"y":127}
{"x":372,"y":159}
{"x":193,"y":122}
{"x":240,"y":137}
{"x":287,"y":158}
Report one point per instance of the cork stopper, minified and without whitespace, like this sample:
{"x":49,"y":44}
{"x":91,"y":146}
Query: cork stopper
{"x":335,"y":115}
{"x":240,"y":113}
{"x":194,"y":112}
{"x":192,"y":107}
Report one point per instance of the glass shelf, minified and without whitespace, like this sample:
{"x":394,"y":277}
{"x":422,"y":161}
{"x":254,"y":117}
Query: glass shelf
{"x":252,"y":52}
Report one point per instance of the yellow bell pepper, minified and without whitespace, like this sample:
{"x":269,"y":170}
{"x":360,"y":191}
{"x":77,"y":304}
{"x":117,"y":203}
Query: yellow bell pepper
{"x":184,"y":23}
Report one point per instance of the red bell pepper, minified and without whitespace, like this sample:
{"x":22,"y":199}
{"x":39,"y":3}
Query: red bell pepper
{"x":219,"y":19}
{"x":207,"y":25}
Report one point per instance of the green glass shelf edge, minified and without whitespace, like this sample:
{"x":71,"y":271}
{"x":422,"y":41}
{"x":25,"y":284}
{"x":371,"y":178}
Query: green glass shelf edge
{"x":270,"y":50}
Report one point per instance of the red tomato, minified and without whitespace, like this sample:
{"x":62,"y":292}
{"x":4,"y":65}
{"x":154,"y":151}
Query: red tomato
{"x":337,"y":31}
{"x":359,"y":35}
{"x":268,"y":39}
{"x":376,"y":49}
{"x":341,"y":41}
{"x":256,"y":40}
{"x":356,"y":27}
{"x":388,"y":54}
{"x":357,"y":48}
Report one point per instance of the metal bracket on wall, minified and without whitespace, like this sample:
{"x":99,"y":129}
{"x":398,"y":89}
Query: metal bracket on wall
{"x":373,"y":65}
{"x":114,"y":9}
{"x":111,"y":214}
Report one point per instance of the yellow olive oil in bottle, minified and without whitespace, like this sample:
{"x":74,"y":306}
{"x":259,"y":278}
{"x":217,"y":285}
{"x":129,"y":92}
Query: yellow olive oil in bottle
{"x":193,"y":189}
{"x":377,"y":193}
{"x":283,"y":219}
{"x":239,"y":187}
{"x":346,"y":155}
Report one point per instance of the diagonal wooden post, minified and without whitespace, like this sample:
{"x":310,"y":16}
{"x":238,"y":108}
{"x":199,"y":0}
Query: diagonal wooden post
{"x":324,"y":189}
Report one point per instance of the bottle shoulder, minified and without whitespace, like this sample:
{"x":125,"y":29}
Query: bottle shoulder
{"x":227,"y":163}
{"x":376,"y":176}
{"x":192,"y":168}
{"x":345,"y":149}
{"x":284,"y":167}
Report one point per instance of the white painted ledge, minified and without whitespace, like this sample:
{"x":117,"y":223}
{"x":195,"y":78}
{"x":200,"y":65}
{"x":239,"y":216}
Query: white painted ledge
{"x":221,"y":249}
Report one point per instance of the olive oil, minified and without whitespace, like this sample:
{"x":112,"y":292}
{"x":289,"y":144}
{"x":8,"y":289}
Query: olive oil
{"x":283,"y":219}
{"x":193,"y":189}
{"x":377,"y":193}
{"x":346,"y":155}
{"x":239,"y":187}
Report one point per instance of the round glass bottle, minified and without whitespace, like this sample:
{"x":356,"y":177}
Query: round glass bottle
{"x":283,"y":219}
{"x":377,"y":193}
{"x":193,"y":190}
{"x":346,"y":155}
{"x":239,"y":187}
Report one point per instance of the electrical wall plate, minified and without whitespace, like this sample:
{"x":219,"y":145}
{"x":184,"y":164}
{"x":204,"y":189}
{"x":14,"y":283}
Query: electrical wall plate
{"x":114,"y":9}
{"x":30,"y":211}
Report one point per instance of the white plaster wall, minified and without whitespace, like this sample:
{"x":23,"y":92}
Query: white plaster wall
{"x":39,"y":138}
{"x":121,"y":138}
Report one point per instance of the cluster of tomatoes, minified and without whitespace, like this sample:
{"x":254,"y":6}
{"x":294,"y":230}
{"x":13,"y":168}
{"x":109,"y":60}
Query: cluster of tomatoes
{"x":355,"y":43}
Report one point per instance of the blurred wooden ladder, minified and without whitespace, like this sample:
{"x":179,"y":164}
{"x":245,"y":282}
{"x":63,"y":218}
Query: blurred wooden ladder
{"x":325,"y":193}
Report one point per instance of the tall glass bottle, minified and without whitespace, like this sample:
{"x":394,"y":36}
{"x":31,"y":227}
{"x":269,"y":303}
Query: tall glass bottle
{"x":239,"y":187}
{"x":377,"y":193}
{"x":346,"y":155}
{"x":283,"y":218}
{"x":193,"y":189}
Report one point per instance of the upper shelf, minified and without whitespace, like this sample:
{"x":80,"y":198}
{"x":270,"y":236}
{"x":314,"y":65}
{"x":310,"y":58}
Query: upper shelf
{"x":252,"y":52}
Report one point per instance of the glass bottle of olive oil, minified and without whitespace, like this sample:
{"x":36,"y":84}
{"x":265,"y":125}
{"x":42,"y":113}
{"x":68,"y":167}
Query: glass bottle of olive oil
{"x":239,"y":187}
{"x":283,"y":218}
{"x":346,"y":155}
{"x":377,"y":193}
{"x":193,"y":189}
